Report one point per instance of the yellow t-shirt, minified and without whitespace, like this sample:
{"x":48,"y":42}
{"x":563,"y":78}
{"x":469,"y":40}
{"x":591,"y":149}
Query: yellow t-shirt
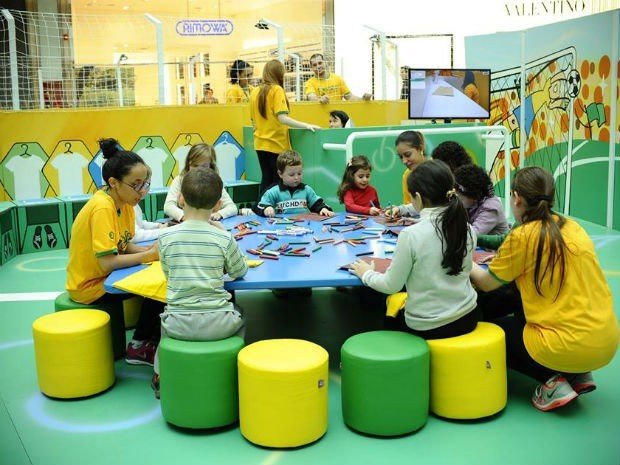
{"x":334,"y":87}
{"x":269,"y":134}
{"x":237,"y":94}
{"x":406,"y":194}
{"x":577,"y":332}
{"x":99,"y":230}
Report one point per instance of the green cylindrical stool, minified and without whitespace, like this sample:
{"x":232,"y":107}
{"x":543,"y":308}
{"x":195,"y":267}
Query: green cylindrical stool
{"x":385,"y":382}
{"x":198,"y":382}
{"x":117,"y":319}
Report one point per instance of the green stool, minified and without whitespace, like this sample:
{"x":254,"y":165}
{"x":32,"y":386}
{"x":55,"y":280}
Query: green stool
{"x":385,"y":382}
{"x":198,"y":382}
{"x":117,"y":319}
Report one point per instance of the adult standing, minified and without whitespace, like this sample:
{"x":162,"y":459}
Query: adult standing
{"x":240,"y":89}
{"x":269,"y":110}
{"x":325,"y":86}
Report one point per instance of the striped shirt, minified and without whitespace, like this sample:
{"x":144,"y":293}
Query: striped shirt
{"x":194,"y":256}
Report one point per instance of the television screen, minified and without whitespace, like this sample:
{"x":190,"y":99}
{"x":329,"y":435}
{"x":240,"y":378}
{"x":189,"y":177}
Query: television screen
{"x":436,"y":93}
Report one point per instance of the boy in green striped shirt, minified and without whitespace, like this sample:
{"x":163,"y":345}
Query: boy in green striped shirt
{"x":195,"y":255}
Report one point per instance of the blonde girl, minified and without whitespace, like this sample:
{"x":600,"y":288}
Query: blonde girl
{"x":199,"y":155}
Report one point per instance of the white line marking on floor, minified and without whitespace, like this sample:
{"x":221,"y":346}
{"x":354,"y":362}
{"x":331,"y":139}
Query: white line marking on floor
{"x":28,"y":296}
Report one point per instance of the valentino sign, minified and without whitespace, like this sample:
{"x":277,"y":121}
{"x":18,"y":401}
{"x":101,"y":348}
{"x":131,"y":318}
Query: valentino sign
{"x":548,"y":7}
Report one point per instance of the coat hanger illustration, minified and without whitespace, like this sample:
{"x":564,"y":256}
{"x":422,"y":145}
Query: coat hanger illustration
{"x":25,"y":154}
{"x":68,"y":147}
{"x":188,"y":139}
{"x":149,"y":142}
{"x":225,"y":139}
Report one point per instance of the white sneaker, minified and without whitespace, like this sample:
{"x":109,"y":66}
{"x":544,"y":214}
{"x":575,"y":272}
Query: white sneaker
{"x":556,"y":392}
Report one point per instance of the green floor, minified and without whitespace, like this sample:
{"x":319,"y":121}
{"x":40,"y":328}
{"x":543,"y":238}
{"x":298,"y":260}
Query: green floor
{"x":124,"y":425}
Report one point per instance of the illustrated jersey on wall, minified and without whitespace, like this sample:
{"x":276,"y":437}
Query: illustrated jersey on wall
{"x":180,"y":148}
{"x":156,"y":155}
{"x":70,"y":168}
{"x":230,"y":157}
{"x":22,"y":171}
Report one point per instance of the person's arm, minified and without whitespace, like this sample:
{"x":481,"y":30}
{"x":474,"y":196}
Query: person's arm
{"x":316,"y":203}
{"x":113,"y":262}
{"x":267,"y":201}
{"x":227,"y":207}
{"x":395,"y":276}
{"x":483,"y":280}
{"x":351,"y":207}
{"x":310,"y":90}
{"x":285,"y":119}
{"x":142,"y":235}
{"x":234,"y":263}
{"x":489,"y":215}
{"x":171,"y":205}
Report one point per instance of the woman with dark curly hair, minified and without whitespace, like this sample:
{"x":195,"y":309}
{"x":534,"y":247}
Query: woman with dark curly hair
{"x":452,"y":154}
{"x":485,"y":210}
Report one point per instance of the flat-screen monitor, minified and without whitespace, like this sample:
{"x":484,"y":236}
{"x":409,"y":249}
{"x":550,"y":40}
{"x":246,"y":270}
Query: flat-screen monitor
{"x":447,"y":93}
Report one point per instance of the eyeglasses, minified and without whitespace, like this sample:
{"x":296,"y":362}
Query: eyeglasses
{"x":143,"y":186}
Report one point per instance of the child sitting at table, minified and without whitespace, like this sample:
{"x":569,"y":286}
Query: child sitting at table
{"x":432,"y":259}
{"x":194,"y":256}
{"x":101,"y":243}
{"x":199,"y":155}
{"x":290,"y":195}
{"x":566,"y":326}
{"x":484,"y":209}
{"x":355,"y":190}
{"x":145,"y":230}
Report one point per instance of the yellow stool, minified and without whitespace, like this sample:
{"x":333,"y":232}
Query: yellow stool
{"x":73,"y":352}
{"x":131,"y":311}
{"x":395,"y":303}
{"x":283,"y":392}
{"x":468,"y":374}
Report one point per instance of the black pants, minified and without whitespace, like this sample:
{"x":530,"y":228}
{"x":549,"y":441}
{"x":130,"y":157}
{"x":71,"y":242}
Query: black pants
{"x":148,"y":327}
{"x":466,"y":324}
{"x":269,"y":172}
{"x":503,"y":307}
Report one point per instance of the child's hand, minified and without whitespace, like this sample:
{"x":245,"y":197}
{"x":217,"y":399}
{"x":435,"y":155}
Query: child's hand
{"x":217,"y":224}
{"x":216,"y":216}
{"x":152,"y":253}
{"x":374,"y":211}
{"x":393,"y":212}
{"x":270,"y":212}
{"x":359,"y":267}
{"x":326,"y":212}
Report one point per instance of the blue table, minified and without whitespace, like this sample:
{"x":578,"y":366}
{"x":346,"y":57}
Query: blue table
{"x":321,"y":269}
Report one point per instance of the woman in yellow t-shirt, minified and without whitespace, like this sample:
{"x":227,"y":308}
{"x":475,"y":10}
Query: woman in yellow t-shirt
{"x":567,"y":326}
{"x":240,"y":88}
{"x":101,"y":243}
{"x":269,"y":112}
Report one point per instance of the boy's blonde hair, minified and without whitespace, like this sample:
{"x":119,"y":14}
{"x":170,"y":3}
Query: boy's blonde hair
{"x":288,"y":158}
{"x":197,"y":152}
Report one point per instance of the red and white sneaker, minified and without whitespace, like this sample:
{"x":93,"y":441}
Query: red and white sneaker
{"x":140,"y":353}
{"x":555,"y":393}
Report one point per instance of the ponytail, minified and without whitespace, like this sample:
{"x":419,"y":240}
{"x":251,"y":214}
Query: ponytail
{"x":536,"y":187}
{"x":434,"y":181}
{"x":455,"y":231}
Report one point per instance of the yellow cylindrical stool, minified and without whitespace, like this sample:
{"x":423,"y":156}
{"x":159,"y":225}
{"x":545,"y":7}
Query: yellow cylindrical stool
{"x":131,"y":311}
{"x":468,"y":374}
{"x":283,"y":392}
{"x":73,"y":352}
